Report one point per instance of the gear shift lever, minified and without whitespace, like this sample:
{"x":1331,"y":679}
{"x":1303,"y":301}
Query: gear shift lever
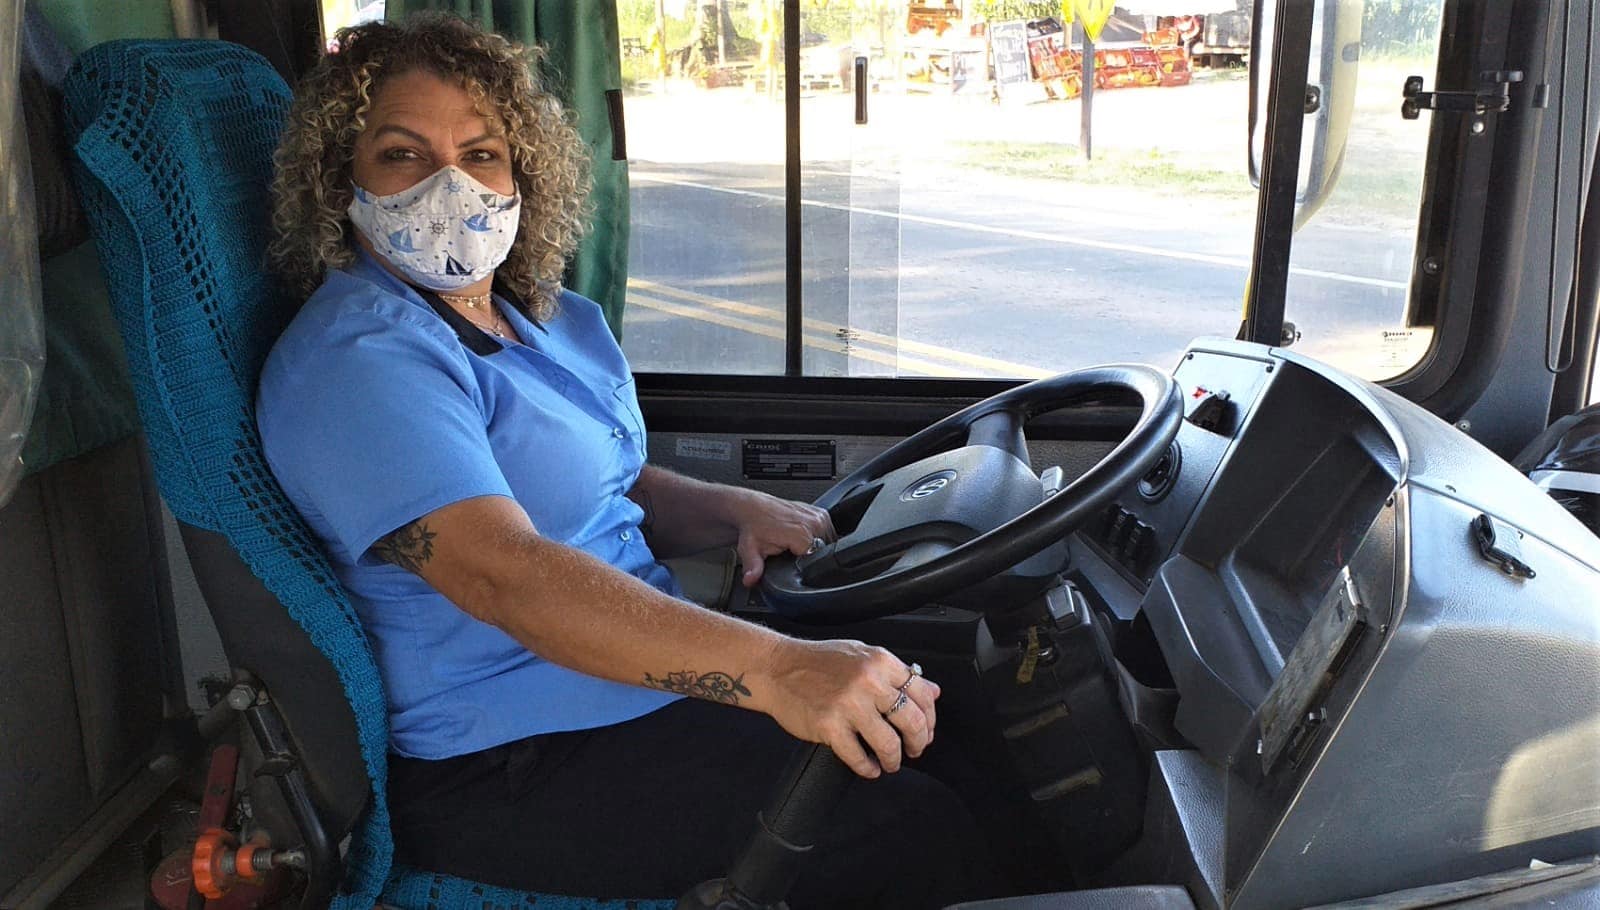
{"x":786,"y":830}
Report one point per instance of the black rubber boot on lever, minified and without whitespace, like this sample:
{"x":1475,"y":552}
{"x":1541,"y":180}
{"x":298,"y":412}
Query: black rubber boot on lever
{"x":786,"y":830}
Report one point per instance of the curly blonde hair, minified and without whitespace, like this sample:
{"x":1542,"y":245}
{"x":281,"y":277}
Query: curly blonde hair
{"x":312,"y":188}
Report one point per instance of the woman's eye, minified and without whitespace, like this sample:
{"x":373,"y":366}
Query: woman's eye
{"x":399,"y":154}
{"x":479,"y":156}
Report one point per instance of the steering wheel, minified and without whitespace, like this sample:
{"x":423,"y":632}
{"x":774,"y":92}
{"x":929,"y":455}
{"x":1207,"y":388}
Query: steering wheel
{"x":957,"y":504}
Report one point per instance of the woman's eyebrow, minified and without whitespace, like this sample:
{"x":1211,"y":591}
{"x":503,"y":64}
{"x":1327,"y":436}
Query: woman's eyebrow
{"x":423,"y":140}
{"x":393,"y":128}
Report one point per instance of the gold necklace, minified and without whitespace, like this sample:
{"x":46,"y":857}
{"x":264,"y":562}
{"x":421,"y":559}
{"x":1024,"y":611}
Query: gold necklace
{"x":493,"y":327}
{"x":473,"y":301}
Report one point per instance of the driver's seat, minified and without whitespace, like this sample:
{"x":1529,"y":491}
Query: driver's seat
{"x":174,"y":143}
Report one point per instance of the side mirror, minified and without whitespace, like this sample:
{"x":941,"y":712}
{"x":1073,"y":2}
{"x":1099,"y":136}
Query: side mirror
{"x":1330,"y":96}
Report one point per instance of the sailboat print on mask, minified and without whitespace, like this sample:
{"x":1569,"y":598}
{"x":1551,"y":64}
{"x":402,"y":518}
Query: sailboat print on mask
{"x":401,"y":241}
{"x":443,"y":233}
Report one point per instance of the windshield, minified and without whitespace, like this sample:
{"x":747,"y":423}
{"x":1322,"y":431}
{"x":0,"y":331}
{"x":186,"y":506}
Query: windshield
{"x":978,"y":223}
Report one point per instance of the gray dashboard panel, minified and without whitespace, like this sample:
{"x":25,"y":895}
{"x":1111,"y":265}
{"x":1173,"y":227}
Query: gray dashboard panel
{"x":1462,"y":734}
{"x":715,"y":457}
{"x":1218,"y":673}
{"x":1566,"y":886}
{"x":1474,"y":744}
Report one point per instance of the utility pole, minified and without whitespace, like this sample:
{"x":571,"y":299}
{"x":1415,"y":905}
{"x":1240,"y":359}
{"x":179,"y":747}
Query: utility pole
{"x":661,"y":40}
{"x":1086,"y":100}
{"x":722,"y":40}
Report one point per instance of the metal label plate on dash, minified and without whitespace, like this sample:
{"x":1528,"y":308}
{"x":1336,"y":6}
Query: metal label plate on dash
{"x":789,"y":459}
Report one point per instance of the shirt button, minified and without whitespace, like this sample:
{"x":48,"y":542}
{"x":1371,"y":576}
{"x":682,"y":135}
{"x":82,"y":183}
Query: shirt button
{"x":626,"y":536}
{"x":619,"y":432}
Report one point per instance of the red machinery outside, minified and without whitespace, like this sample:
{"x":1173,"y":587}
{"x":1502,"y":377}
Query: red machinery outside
{"x":1160,"y":60}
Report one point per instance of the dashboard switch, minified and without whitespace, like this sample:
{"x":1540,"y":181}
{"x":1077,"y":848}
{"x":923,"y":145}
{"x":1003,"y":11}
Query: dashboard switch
{"x":1125,"y":539}
{"x":1121,"y":528}
{"x":1213,"y":412}
{"x":1108,"y":517}
{"x":1135,"y":548}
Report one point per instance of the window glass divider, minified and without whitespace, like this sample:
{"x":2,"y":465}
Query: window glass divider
{"x":1280,"y":171}
{"x":793,"y":339}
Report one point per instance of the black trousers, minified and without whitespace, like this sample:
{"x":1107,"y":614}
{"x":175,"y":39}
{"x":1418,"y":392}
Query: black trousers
{"x":651,"y":807}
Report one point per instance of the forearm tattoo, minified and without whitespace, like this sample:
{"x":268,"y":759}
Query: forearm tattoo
{"x":408,"y":547}
{"x":716,"y":686}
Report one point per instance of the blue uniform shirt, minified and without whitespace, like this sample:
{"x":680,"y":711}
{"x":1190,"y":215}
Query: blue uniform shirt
{"x":374,"y":412}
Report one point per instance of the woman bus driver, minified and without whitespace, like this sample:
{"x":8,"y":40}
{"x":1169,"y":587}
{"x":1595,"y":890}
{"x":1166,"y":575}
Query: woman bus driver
{"x":464,"y":438}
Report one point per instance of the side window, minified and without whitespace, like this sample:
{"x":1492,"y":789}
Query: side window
{"x":1350,"y":268}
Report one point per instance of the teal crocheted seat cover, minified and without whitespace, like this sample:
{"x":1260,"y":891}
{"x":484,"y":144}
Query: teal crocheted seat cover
{"x":174,"y":143}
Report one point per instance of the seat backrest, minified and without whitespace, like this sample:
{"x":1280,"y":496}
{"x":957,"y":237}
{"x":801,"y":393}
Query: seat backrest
{"x":174,"y":143}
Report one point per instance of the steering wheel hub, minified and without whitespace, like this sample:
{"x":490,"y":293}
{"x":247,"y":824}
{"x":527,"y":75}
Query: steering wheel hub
{"x":928,"y":486}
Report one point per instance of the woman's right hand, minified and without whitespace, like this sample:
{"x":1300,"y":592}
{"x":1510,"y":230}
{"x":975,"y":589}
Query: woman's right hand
{"x":841,"y":693}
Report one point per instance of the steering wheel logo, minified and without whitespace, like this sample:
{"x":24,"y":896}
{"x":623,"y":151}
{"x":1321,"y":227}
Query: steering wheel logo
{"x":927,"y":486}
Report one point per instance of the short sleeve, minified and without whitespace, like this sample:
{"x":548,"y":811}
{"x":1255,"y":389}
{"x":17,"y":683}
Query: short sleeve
{"x":371,"y":420}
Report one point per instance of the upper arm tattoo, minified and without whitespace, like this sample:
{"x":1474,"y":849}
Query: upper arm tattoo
{"x":408,"y":546}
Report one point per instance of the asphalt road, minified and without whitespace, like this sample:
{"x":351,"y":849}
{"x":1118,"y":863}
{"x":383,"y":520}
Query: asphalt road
{"x":919,"y":274}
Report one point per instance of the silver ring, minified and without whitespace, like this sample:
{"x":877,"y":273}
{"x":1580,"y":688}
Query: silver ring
{"x":899,"y":703}
{"x":816,"y":544}
{"x":916,"y":671}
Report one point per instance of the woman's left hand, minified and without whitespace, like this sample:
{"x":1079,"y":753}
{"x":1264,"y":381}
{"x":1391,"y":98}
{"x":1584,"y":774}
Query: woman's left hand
{"x":768,"y":525}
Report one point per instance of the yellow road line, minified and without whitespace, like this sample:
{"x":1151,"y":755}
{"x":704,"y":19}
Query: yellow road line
{"x":818,"y":342}
{"x":954,"y":359}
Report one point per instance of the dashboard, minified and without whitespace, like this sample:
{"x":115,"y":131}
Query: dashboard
{"x":1276,"y":478}
{"x":1364,"y":697}
{"x":1375,"y":680}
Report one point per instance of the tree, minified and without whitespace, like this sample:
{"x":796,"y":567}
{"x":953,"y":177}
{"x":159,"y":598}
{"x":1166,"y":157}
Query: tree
{"x":1397,"y":26}
{"x":999,"y":10}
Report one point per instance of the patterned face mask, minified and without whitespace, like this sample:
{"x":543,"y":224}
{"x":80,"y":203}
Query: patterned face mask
{"x":444,"y":233}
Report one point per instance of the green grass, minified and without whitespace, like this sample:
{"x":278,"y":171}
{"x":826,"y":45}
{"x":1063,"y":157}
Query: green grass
{"x":642,"y":68}
{"x":1409,"y":55}
{"x":1360,"y":195}
{"x":1150,"y":169}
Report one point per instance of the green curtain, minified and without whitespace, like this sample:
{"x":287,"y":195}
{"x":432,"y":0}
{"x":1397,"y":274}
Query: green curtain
{"x":86,"y":397}
{"x":583,"y":67}
{"x":86,"y":400}
{"x":80,"y":24}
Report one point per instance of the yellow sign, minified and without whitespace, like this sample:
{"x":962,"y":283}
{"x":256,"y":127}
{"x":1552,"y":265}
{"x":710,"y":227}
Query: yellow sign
{"x":1093,"y":14}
